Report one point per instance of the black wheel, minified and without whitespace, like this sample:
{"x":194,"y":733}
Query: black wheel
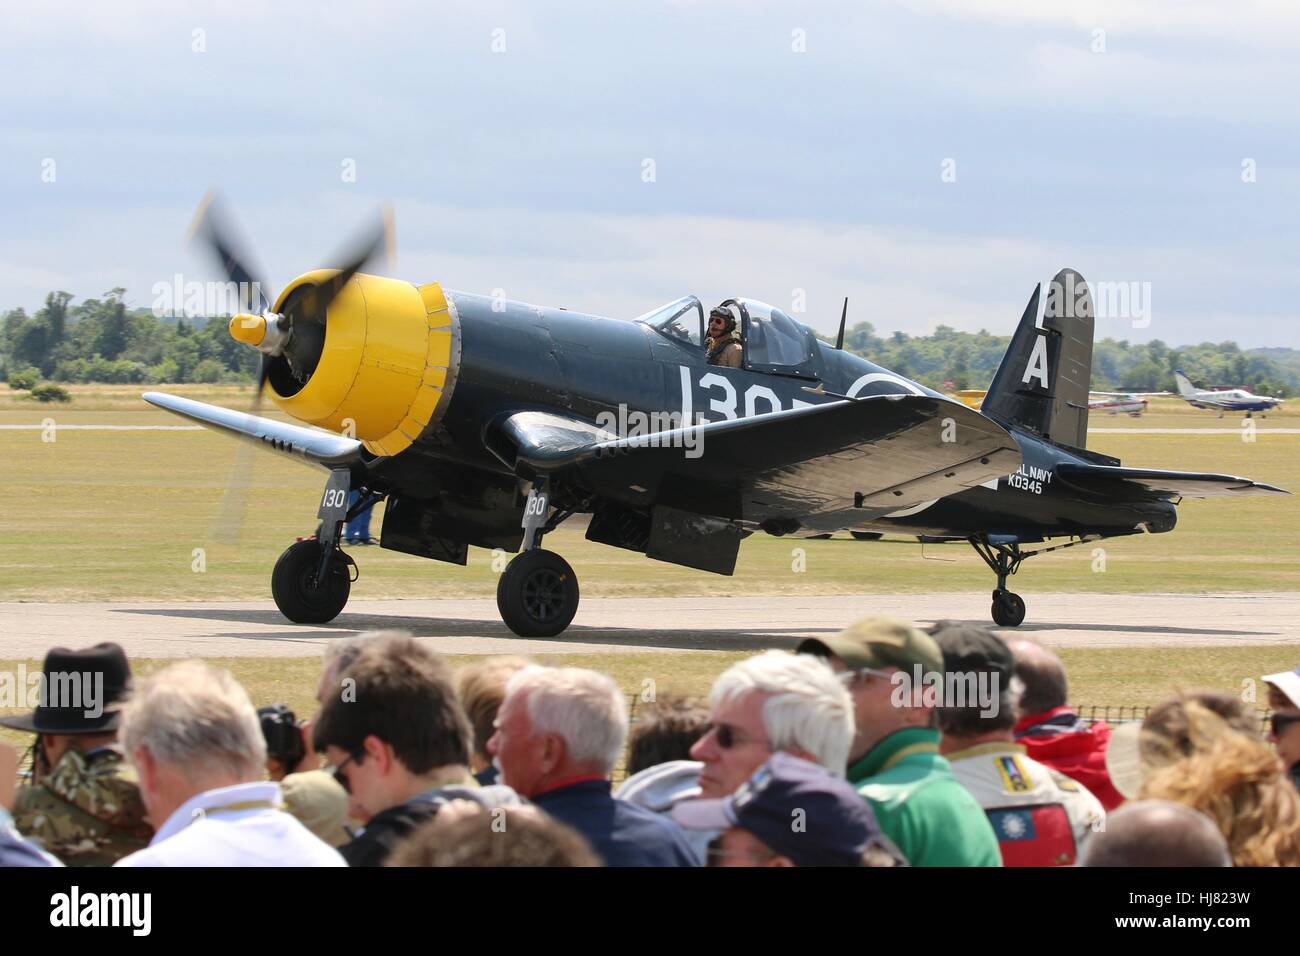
{"x":1008,"y":609}
{"x":867,"y":535}
{"x":538,"y":594}
{"x":299,"y":595}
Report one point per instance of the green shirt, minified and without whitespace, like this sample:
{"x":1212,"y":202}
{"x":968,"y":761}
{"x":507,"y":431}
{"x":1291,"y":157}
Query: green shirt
{"x":920,"y":806}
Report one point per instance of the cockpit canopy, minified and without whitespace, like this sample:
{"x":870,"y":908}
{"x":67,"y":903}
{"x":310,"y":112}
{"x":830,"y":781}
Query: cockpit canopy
{"x":681,"y":319}
{"x":773,"y":342}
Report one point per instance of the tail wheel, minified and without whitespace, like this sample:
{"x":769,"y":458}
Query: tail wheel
{"x":538,"y":594}
{"x":299,"y":595}
{"x":1008,"y":609}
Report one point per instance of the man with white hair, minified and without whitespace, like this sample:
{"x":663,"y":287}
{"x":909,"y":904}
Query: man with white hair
{"x":774,"y":702}
{"x":194,"y":738}
{"x":559,"y":732}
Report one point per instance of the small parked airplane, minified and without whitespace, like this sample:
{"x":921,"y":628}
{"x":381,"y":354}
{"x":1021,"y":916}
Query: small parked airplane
{"x":1225,"y":400}
{"x":1113,"y":403}
{"x":1121,"y":403}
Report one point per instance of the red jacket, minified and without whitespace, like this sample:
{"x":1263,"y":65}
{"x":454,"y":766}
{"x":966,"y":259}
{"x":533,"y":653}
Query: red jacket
{"x":1066,"y":743}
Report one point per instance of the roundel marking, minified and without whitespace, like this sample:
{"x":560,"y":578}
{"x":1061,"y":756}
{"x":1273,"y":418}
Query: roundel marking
{"x":868,"y":379}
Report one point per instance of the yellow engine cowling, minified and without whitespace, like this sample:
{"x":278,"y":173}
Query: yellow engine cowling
{"x":389,"y":357}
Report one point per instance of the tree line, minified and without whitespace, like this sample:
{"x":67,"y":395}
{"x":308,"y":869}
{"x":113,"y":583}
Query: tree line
{"x":969,"y":359}
{"x":101,"y":340}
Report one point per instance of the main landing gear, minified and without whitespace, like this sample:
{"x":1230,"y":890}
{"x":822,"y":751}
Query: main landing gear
{"x":537,"y":594}
{"x":301,"y":592}
{"x":311,"y":581}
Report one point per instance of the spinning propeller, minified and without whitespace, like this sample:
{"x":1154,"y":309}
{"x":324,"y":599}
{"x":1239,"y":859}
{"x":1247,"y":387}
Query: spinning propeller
{"x":292,"y":339}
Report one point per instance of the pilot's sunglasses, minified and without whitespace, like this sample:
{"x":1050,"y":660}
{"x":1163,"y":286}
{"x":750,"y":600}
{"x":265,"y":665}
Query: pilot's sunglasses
{"x":1280,"y":722}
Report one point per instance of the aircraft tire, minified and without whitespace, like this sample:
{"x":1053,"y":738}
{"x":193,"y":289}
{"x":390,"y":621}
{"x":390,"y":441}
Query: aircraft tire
{"x":538,"y":594}
{"x":1008,"y":609}
{"x":294,"y":586}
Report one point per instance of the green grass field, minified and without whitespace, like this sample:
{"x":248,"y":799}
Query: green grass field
{"x":103,"y":515}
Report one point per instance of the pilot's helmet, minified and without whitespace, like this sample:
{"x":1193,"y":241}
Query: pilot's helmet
{"x":728,"y":316}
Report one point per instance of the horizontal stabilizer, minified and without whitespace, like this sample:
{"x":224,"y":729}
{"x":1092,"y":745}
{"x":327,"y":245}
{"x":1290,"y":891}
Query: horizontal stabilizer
{"x":311,"y":444}
{"x":1154,"y":483}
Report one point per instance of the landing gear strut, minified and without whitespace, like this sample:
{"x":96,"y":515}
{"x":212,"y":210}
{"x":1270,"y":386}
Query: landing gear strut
{"x":537,"y":594}
{"x":1004,"y":559}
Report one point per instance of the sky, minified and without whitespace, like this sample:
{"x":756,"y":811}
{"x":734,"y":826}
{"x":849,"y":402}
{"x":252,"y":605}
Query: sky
{"x":930,"y":159}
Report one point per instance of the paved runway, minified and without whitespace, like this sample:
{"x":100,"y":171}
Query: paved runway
{"x":613,"y":625}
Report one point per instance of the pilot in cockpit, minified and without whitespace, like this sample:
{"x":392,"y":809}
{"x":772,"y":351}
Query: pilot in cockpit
{"x":723,"y":347}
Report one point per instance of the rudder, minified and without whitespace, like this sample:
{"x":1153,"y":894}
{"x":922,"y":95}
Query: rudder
{"x":1043,"y":382}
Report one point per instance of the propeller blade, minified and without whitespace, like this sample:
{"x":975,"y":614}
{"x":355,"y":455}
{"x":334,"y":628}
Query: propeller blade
{"x":379,"y":240}
{"x":211,"y":228}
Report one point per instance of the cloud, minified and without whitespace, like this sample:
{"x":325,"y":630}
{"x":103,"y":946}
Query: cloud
{"x":775,"y":169}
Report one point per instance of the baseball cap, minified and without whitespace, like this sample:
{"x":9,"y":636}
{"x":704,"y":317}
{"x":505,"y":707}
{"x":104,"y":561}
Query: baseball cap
{"x":319,"y":803}
{"x":973,"y":649}
{"x":797,"y":808}
{"x":879,"y":642}
{"x":1288,"y":682}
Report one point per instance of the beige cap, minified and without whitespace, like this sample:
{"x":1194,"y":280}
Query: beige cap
{"x":879,"y":642}
{"x":319,"y":803}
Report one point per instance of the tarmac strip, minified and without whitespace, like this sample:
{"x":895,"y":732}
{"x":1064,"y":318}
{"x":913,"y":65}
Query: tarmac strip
{"x":624,"y":625}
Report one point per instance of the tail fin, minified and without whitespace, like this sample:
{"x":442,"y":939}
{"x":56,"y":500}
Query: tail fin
{"x":1185,"y":386}
{"x":1043,"y":381}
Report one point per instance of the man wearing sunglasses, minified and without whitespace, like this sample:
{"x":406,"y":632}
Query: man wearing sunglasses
{"x":895,"y":761}
{"x":776,"y":701}
{"x":398,"y":743}
{"x":756,"y":823}
{"x":1284,"y":725}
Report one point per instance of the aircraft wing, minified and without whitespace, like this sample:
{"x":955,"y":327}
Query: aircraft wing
{"x":311,"y":444}
{"x":836,"y":462}
{"x":1154,"y":483}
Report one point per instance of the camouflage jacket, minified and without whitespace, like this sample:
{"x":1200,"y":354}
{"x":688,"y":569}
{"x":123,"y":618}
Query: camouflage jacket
{"x":86,"y":810}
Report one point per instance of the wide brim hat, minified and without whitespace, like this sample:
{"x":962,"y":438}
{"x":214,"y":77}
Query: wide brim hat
{"x":96,"y":679}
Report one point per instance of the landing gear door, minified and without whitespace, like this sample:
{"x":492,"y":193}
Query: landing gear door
{"x":334,"y":502}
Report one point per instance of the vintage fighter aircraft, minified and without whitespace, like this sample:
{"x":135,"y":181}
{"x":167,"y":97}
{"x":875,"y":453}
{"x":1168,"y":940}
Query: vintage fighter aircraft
{"x":487,"y":422}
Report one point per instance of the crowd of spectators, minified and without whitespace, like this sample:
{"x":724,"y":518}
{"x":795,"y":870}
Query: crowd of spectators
{"x":883,"y":745}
